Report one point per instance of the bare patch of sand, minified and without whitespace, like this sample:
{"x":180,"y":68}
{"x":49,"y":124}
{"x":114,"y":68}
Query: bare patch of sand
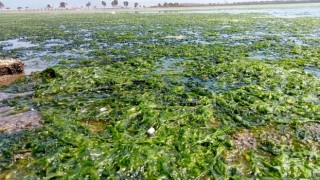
{"x":314,"y":128}
{"x":244,"y":140}
{"x":96,"y":126}
{"x":9,"y":79}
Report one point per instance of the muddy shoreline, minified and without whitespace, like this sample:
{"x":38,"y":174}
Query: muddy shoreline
{"x":10,"y":119}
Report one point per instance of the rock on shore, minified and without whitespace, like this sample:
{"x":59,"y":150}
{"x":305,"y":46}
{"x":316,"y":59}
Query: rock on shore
{"x":10,"y":67}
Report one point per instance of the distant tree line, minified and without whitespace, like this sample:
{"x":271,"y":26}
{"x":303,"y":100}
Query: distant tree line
{"x":166,"y":4}
{"x":169,"y":4}
{"x":1,"y":5}
{"x":63,"y":5}
{"x":115,"y":3}
{"x":266,"y":2}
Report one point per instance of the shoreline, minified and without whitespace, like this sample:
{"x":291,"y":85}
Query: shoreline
{"x":168,"y":9}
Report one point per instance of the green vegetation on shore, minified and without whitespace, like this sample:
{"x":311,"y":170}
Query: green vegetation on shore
{"x":229,"y":97}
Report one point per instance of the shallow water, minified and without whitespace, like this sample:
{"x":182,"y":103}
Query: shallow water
{"x":16,"y":44}
{"x":4,"y":95}
{"x":314,"y":71}
{"x":263,"y":57}
{"x":36,"y":65}
{"x":169,"y":65}
{"x":276,"y":12}
{"x":195,"y":107}
{"x":36,"y":61}
{"x":56,"y":42}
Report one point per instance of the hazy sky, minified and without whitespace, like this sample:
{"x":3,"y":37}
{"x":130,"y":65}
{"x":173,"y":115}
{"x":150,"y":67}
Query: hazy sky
{"x":77,"y":3}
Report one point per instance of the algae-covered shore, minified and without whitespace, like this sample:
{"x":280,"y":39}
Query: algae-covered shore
{"x":229,"y":96}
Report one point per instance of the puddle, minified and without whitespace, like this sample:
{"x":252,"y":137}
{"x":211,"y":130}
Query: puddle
{"x":263,"y":57}
{"x":197,"y":82}
{"x":15,"y":44}
{"x":212,"y":85}
{"x":68,"y":53}
{"x":314,"y":71}
{"x":38,"y":61}
{"x":174,"y":65}
{"x":250,"y":37}
{"x":56,"y":42}
{"x":209,"y":84}
{"x":288,"y":12}
{"x":4,"y":96}
{"x":295,"y":41}
{"x":180,"y":37}
{"x":300,"y":43}
{"x":104,"y":45}
{"x":36,"y":65}
{"x":198,"y":41}
{"x":227,"y":36}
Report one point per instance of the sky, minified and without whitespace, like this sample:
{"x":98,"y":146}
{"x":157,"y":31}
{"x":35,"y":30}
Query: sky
{"x":13,"y":4}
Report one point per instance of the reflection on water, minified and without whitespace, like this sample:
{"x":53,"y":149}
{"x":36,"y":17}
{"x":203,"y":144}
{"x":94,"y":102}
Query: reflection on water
{"x":38,"y":61}
{"x":167,"y":65}
{"x":314,"y":71}
{"x":277,"y":12}
{"x":16,"y":43}
{"x":56,"y":42}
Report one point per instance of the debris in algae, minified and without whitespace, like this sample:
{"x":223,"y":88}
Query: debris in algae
{"x":151,"y":131}
{"x":244,"y":139}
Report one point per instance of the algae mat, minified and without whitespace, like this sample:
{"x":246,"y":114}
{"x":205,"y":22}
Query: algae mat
{"x":233,"y":97}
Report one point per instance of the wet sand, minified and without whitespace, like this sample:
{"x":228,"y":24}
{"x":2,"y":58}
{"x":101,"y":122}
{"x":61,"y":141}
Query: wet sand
{"x":9,"y":79}
{"x":11,"y":122}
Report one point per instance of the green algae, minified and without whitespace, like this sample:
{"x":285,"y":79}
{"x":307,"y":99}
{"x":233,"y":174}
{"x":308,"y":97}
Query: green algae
{"x":203,"y":99}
